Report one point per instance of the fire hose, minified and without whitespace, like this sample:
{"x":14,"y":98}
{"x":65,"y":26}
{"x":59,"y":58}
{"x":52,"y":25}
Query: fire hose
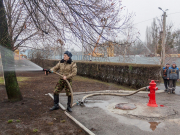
{"x":112,"y":94}
{"x":96,"y":94}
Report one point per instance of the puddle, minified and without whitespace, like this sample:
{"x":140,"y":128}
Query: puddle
{"x":125,"y":106}
{"x":153,"y":125}
{"x":141,"y":124}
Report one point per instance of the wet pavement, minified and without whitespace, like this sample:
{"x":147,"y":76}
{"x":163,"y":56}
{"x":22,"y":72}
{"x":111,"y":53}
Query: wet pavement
{"x":125,"y":106}
{"x":100,"y":116}
{"x":161,"y":87}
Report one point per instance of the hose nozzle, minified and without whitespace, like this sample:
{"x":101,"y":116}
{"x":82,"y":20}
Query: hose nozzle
{"x":47,"y":71}
{"x":81,"y":103}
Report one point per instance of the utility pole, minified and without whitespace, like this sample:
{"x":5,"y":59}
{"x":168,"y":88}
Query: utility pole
{"x":164,"y":37}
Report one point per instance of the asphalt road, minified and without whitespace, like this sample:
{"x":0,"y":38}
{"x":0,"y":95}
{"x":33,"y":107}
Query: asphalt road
{"x":98,"y":115}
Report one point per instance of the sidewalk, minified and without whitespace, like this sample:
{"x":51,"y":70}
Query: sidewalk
{"x":99,"y":115}
{"x":161,"y":87}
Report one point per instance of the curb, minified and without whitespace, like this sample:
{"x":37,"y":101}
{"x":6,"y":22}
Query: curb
{"x":73,"y":119}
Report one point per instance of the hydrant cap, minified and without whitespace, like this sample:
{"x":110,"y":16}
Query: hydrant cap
{"x":152,"y":82}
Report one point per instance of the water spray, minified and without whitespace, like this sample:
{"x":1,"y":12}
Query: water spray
{"x":14,"y":62}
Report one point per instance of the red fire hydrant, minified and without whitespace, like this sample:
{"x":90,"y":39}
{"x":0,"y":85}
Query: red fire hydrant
{"x":152,"y":94}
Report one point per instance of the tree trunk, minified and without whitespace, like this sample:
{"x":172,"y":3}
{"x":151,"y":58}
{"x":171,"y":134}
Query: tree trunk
{"x":7,"y":56}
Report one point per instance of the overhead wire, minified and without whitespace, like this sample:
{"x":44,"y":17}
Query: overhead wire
{"x":154,"y":17}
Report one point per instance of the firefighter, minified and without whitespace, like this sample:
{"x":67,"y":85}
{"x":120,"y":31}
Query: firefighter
{"x":68,"y":69}
{"x":164,"y":76}
{"x":173,"y":77}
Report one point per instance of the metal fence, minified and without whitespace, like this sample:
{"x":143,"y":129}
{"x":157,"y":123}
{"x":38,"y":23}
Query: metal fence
{"x":134,"y":59}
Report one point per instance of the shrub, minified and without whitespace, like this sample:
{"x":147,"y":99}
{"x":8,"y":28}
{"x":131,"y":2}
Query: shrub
{"x":133,"y":75}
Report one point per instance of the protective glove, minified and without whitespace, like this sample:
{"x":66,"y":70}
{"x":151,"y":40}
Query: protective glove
{"x":47,"y":71}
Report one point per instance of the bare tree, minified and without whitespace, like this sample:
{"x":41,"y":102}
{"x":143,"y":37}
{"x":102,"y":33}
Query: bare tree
{"x":76,"y":18}
{"x":154,"y":35}
{"x":177,"y":40}
{"x":11,"y":84}
{"x":25,"y":22}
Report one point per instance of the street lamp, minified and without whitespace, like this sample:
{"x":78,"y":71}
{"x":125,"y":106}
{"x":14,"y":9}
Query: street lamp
{"x":162,"y":10}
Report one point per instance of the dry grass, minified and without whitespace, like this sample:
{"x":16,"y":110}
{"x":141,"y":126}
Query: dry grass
{"x":178,"y":83}
{"x":19,"y":79}
{"x":76,"y":78}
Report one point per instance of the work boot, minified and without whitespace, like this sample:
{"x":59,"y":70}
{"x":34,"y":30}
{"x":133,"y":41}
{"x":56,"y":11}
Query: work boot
{"x":169,"y":91}
{"x":56,"y":102}
{"x":69,"y":104}
{"x":173,"y":90}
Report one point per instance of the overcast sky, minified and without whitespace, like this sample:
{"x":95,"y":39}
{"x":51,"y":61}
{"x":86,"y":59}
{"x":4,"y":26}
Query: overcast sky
{"x":148,"y":9}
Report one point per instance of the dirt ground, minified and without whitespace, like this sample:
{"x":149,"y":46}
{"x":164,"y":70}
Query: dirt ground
{"x":32,"y":115}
